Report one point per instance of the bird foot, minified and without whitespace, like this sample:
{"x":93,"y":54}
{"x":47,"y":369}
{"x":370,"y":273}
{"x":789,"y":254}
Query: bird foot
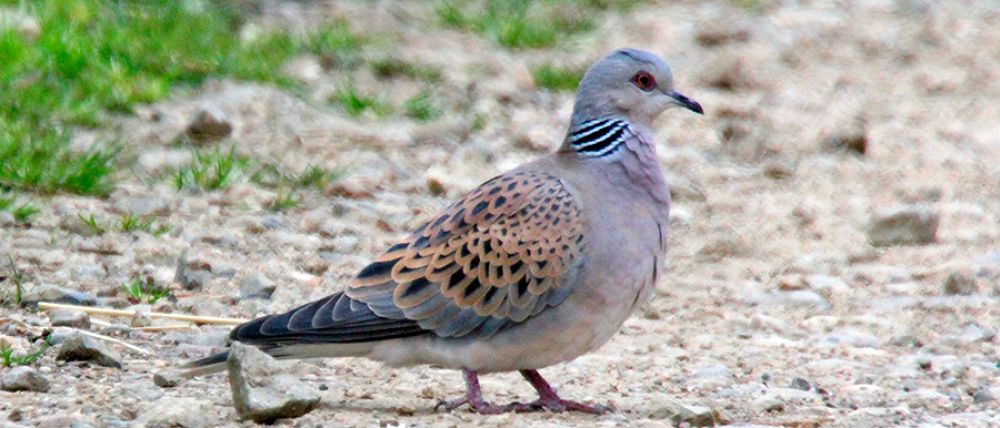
{"x":558,"y":405}
{"x":481,"y":406}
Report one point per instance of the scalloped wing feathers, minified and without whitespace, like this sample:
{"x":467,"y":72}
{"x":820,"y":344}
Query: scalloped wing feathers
{"x":496,"y":257}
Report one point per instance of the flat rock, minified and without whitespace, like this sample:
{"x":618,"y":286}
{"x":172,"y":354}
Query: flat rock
{"x":56,"y":294}
{"x":78,"y":347}
{"x":912,"y":225}
{"x":679,"y":413}
{"x":261,"y":391}
{"x":176,"y":412}
{"x":256,"y":286}
{"x":75,"y":319}
{"x":23,"y":378}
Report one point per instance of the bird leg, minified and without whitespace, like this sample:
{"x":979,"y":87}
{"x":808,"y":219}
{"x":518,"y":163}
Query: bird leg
{"x":549,"y":399}
{"x":474,"y":398}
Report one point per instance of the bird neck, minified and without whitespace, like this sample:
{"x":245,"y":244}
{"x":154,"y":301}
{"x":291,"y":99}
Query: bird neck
{"x":599,"y":137}
{"x":619,"y":141}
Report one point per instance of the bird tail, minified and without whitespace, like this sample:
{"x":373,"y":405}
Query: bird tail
{"x":212,"y":364}
{"x":217,"y":362}
{"x":314,"y":330}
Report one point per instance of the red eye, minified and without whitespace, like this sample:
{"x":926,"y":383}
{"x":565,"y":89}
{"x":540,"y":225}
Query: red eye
{"x":644,"y":81}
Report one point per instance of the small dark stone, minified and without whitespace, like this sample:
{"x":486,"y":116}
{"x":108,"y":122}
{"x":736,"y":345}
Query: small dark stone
{"x":913,"y":225}
{"x":799,"y":383}
{"x":166,"y":379}
{"x":959,"y":283}
{"x":209,"y":124}
{"x":983,"y":395}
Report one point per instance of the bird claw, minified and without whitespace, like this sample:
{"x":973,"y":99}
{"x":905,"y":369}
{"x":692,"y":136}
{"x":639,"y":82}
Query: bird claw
{"x":481,"y":407}
{"x":557,"y":405}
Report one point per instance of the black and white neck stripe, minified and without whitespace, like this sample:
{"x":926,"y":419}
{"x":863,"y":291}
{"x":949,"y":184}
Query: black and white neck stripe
{"x":599,"y":137}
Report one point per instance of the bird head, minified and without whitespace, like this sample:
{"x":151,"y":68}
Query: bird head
{"x":633,"y":84}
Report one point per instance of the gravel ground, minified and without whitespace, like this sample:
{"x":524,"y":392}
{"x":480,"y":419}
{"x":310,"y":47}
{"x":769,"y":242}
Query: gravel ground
{"x":777,"y":309}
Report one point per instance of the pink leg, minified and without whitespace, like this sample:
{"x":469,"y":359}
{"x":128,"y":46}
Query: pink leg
{"x":549,"y":399}
{"x":474,"y":398}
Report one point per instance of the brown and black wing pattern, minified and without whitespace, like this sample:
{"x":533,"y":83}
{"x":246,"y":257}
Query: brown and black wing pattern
{"x":497,"y":257}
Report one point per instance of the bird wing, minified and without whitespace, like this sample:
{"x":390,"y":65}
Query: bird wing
{"x":494,"y":258}
{"x":498,"y":256}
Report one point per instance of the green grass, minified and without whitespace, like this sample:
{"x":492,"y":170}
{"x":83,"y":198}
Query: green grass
{"x":316,"y":177}
{"x":520,"y":24}
{"x":16,"y":277}
{"x":139,"y":291}
{"x":8,"y":359}
{"x":284,"y":201}
{"x":131,"y":223}
{"x":357,"y":104}
{"x":422,"y":106}
{"x":557,"y":78}
{"x":751,"y":5}
{"x":92,"y":224}
{"x":389,"y":68}
{"x":36,"y":157}
{"x":212,"y":170}
{"x":99,"y":56}
{"x":128,"y":223}
{"x":336,"y":45}
{"x":22,"y":212}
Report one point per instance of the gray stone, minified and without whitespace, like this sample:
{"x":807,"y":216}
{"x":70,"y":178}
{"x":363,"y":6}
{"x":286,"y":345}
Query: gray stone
{"x":975,"y":333}
{"x":73,"y":420}
{"x":960,"y":283}
{"x":177,"y":412}
{"x":983,"y":395}
{"x":192,"y":274}
{"x":59,"y":335}
{"x":261,"y":392}
{"x":256,"y":286}
{"x":714,"y":371}
{"x":75,"y":319}
{"x":801,"y":384}
{"x":56,"y":294}
{"x":214,"y":338}
{"x":768,"y":404}
{"x":848,"y":337}
{"x":906,"y":341}
{"x":912,"y":225}
{"x":795,"y":298}
{"x":143,"y":392}
{"x":679,"y":413}
{"x":209,"y":124}
{"x":23,"y":378}
{"x":167,"y":379}
{"x":851,"y":137}
{"x":78,"y":347}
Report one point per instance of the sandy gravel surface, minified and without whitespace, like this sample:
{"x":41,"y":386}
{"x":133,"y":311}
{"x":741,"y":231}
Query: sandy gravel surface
{"x":776,"y":310}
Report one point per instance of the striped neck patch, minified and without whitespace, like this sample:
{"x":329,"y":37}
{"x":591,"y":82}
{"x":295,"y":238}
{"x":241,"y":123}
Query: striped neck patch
{"x":599,"y":137}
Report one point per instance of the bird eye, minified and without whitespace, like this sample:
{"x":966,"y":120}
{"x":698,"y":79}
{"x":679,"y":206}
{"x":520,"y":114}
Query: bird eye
{"x":643,"y":80}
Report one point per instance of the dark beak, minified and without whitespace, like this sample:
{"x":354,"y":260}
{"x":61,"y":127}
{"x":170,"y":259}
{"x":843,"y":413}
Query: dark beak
{"x":683,"y":101}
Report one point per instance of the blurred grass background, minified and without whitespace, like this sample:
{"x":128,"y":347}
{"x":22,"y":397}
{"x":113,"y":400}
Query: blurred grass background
{"x":68,"y":64}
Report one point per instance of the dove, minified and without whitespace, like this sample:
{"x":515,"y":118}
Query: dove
{"x":533,"y":268}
